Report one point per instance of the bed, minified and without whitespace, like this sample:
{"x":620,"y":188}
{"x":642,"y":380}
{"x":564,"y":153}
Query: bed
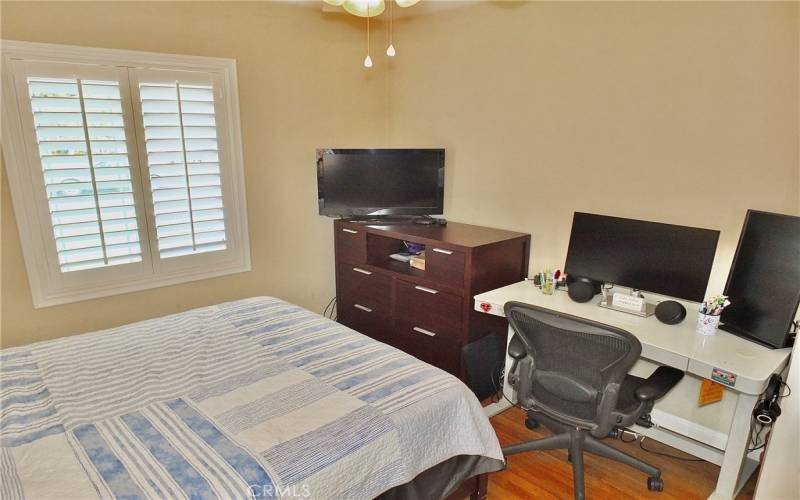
{"x":255,"y":398}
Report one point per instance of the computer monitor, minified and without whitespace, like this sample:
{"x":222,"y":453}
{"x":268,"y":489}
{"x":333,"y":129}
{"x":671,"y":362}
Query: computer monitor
{"x":764,"y":280}
{"x":660,"y":258}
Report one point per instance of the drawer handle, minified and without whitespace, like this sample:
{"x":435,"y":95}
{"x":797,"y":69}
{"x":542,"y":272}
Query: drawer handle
{"x":424,"y":331}
{"x":362,"y":271}
{"x":351,"y":231}
{"x":442,"y":250}
{"x":363,"y":308}
{"x":426,"y":289}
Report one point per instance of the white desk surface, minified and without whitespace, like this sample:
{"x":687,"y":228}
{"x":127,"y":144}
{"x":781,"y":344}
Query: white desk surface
{"x":674,"y":345}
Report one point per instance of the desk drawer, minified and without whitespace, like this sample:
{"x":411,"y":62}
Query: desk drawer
{"x":369,"y":288}
{"x":445,"y":266}
{"x":433,"y":348}
{"x":366,"y":320}
{"x":428,"y":308}
{"x":351,"y":244}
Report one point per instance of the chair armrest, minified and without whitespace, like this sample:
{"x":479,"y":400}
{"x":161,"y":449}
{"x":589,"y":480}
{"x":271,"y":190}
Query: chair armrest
{"x":516,"y":348}
{"x":658,"y":383}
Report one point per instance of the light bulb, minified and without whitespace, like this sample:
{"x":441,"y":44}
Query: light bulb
{"x":390,"y":51}
{"x":368,"y":62}
{"x":406,"y":3}
{"x":336,"y":3}
{"x":364,"y":8}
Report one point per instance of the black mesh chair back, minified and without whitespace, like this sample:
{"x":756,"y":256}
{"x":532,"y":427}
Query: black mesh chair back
{"x":574,"y":367}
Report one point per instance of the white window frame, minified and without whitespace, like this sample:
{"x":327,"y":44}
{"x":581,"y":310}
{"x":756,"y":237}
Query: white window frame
{"x":48,"y":285}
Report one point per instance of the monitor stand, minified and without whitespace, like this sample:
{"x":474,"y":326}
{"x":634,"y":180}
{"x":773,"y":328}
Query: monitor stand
{"x":607,"y":302}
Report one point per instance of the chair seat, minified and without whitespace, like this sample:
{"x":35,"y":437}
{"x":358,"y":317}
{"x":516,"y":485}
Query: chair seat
{"x":627,"y":402}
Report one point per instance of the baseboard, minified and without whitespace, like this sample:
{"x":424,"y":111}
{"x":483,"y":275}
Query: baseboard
{"x":496,"y":408}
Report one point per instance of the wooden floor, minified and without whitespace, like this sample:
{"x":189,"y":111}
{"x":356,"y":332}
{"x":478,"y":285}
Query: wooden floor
{"x":548,"y":474}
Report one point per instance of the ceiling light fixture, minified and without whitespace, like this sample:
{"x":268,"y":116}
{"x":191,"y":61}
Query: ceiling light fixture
{"x":372,"y":8}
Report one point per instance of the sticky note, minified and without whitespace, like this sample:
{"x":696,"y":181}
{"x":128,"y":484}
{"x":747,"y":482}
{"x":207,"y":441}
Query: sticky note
{"x":710,"y":392}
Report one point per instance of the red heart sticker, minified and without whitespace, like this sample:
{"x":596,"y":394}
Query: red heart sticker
{"x":486,"y":307}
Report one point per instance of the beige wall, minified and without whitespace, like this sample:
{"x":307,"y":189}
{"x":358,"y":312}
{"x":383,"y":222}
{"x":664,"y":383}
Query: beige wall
{"x":676,"y":112}
{"x":301,"y":86}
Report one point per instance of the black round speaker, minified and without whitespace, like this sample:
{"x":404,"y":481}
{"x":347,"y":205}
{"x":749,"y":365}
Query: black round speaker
{"x":670,"y":312}
{"x":582,"y":289}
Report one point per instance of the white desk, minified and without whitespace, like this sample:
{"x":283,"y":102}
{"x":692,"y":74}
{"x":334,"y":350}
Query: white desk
{"x":678,"y":346}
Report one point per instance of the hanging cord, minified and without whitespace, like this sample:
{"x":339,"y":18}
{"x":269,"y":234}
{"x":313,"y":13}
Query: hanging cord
{"x":390,"y":51}
{"x":368,"y":59}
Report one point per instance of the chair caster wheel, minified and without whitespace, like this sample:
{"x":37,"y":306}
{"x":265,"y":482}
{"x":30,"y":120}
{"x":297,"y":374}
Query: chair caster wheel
{"x":531,"y":423}
{"x":655,"y":484}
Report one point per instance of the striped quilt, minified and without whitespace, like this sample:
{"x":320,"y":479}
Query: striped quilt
{"x":256,"y":398}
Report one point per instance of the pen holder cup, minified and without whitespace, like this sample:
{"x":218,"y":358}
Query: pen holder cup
{"x":548,"y":287}
{"x":707,"y":324}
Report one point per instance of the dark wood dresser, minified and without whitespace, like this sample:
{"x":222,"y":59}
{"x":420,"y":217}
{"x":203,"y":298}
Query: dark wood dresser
{"x":426,"y":313}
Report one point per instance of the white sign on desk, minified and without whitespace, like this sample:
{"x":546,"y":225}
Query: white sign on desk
{"x":629,"y":302}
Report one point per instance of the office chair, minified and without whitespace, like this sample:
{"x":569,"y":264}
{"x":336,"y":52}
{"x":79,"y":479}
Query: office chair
{"x":572,"y":375}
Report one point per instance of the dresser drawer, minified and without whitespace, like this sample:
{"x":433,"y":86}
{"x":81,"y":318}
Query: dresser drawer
{"x":433,"y":348}
{"x":445,"y":266}
{"x":368,"y":288}
{"x":428,"y":308}
{"x":351,"y":244}
{"x":364,"y":319}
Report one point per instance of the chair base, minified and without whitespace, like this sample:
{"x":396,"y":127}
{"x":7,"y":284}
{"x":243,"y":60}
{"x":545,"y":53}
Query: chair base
{"x":576,"y":441}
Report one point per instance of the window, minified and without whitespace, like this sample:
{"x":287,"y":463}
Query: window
{"x":125,"y":169}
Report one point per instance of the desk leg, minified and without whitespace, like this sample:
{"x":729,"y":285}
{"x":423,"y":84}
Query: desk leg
{"x":736,"y":448}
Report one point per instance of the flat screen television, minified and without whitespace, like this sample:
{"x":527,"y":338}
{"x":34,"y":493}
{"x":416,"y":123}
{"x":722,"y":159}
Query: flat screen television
{"x":660,"y":258}
{"x":764,"y":281}
{"x":380,"y":182}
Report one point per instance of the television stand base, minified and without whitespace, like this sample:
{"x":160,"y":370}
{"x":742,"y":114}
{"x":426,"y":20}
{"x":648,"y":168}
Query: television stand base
{"x":387,"y":220}
{"x":425,"y":220}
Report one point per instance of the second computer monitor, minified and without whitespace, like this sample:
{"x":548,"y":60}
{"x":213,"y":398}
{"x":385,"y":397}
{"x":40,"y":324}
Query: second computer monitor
{"x":660,"y":258}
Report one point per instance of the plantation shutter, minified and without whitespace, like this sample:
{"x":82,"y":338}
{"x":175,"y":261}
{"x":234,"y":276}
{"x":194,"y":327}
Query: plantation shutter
{"x":179,"y":122}
{"x":82,"y":147}
{"x":125,"y":169}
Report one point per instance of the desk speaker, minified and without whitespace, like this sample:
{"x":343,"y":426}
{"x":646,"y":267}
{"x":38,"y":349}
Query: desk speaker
{"x":582,"y":289}
{"x":670,"y":312}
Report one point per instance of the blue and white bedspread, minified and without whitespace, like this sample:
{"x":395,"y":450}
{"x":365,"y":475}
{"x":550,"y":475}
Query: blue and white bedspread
{"x":253,"y":398}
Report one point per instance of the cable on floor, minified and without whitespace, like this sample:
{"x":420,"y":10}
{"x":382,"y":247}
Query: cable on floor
{"x":668,"y":455}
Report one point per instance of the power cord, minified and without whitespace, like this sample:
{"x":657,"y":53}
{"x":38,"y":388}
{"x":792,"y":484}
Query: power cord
{"x":496,"y":398}
{"x":641,"y":438}
{"x":668,"y":455}
{"x":785,"y":385}
{"x":328,"y":312}
{"x":755,"y":441}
